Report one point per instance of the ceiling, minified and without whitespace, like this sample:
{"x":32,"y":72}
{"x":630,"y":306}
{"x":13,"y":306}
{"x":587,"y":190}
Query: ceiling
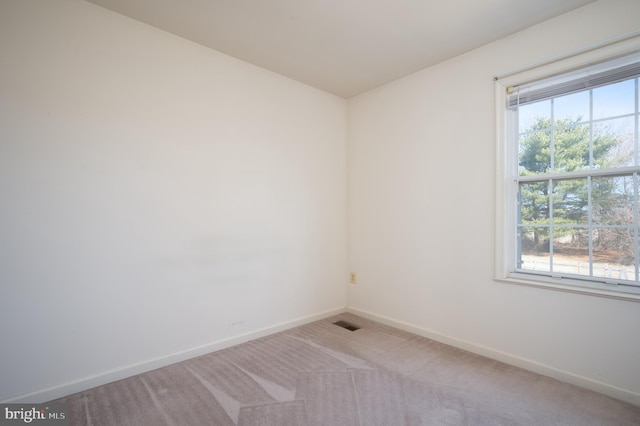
{"x":344,"y":47}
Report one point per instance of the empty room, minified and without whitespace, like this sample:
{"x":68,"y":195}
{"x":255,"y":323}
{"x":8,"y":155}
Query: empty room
{"x":306,"y":212}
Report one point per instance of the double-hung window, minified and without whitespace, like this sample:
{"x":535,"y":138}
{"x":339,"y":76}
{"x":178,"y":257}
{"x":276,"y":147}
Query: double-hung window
{"x":569,"y":176}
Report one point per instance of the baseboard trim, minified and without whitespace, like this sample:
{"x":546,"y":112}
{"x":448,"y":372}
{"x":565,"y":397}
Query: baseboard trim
{"x":55,"y":392}
{"x":524,"y":363}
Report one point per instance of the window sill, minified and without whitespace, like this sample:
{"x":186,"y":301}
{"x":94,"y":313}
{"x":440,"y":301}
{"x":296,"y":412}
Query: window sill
{"x":573,"y":286}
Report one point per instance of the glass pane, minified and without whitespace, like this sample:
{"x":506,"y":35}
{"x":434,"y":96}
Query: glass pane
{"x":570,"y":201}
{"x":534,"y":203}
{"x":571,"y":108}
{"x":534,"y":153}
{"x":613,"y":200}
{"x":571,"y":250}
{"x":571,"y":148}
{"x":614,"y":99}
{"x":534,"y":249}
{"x":613,"y":143}
{"x":613,"y":253}
{"x":537,"y":114}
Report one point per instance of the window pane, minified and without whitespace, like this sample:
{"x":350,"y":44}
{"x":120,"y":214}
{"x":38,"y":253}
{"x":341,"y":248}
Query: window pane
{"x":530,"y":114}
{"x":614,"y":99}
{"x":571,"y":148}
{"x":613,"y":200}
{"x":534,"y":203}
{"x":577,"y":213}
{"x":613,"y":143}
{"x":570,"y":201}
{"x":613,"y":253}
{"x":571,"y":250}
{"x":535,"y":153}
{"x":534,"y":249}
{"x":571,"y":108}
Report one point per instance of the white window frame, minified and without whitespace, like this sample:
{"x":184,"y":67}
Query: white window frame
{"x":507,"y":165}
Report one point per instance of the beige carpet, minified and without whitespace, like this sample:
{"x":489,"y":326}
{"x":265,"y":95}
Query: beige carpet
{"x":322,"y":374}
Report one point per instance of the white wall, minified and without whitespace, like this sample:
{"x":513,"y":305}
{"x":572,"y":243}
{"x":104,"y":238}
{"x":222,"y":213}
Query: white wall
{"x":421,"y":216}
{"x":152,"y":192}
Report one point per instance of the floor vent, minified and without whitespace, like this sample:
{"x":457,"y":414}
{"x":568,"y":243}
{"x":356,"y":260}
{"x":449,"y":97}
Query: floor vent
{"x":347,"y":325}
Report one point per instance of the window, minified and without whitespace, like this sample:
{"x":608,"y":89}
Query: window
{"x":569,"y":175}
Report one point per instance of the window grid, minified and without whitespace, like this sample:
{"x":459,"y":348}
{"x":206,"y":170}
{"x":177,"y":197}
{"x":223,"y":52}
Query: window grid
{"x":636,"y":205}
{"x":553,"y":177}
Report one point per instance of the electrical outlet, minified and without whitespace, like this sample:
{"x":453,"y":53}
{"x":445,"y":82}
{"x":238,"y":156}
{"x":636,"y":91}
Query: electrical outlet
{"x":352,"y":278}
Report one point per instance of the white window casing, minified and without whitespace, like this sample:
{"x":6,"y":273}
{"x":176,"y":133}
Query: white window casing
{"x":605,"y":63}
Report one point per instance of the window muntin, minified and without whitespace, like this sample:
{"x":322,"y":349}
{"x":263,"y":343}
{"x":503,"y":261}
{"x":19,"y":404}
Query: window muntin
{"x":576,"y":197}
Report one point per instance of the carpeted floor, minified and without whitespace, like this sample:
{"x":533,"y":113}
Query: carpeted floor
{"x":323,"y":374}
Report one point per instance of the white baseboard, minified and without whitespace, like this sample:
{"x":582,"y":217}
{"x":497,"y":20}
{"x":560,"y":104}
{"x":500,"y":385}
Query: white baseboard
{"x":60,"y":391}
{"x":526,"y":364}
{"x":70,"y":388}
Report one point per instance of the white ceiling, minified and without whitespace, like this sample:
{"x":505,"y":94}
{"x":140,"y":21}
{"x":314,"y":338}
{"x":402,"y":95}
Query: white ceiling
{"x":344,"y":47}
